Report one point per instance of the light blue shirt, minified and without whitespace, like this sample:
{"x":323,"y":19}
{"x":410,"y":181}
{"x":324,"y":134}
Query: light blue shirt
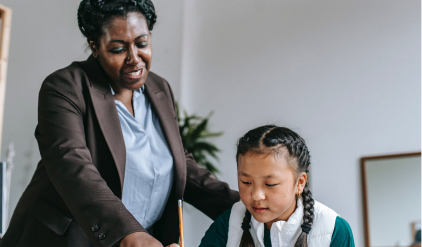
{"x":149,"y":163}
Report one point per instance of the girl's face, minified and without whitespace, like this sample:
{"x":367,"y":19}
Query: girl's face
{"x":267,"y":186}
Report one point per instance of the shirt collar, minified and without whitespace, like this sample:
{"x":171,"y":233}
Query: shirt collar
{"x":138,"y":91}
{"x":286,"y":230}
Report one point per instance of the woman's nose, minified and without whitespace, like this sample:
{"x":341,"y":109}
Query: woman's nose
{"x":132,"y":57}
{"x":258,"y":194}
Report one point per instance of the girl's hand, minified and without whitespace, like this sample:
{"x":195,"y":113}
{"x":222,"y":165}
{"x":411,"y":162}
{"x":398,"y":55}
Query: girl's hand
{"x":173,"y":245}
{"x":140,"y":239}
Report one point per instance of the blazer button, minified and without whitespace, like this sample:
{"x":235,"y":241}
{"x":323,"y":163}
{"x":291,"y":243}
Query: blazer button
{"x":102,"y":236}
{"x":95,"y":228}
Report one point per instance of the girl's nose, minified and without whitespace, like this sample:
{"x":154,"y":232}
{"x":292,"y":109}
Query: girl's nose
{"x":258,"y":194}
{"x":132,"y":57}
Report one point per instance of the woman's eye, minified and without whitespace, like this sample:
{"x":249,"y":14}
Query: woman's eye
{"x":142,"y":44}
{"x":270,"y":185}
{"x":246,"y":182}
{"x":117,"y":50}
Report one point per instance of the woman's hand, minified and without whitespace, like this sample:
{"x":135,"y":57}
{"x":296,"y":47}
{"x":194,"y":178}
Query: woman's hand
{"x":174,"y":245}
{"x":140,"y":239}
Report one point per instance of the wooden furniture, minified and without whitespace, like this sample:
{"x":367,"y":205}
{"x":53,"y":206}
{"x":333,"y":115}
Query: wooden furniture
{"x":387,"y":191}
{"x":5,"y":24}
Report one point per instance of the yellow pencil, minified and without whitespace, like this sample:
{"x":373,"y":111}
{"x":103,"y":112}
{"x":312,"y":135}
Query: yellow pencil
{"x":182,"y":241}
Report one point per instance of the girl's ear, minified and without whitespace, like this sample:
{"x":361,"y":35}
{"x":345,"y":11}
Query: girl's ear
{"x":301,"y":182}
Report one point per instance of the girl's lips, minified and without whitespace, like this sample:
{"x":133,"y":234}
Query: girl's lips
{"x":259,"y":210}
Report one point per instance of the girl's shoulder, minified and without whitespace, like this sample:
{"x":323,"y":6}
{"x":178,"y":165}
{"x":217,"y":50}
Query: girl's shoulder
{"x":217,"y":233}
{"x":321,"y":209}
{"x":237,"y":213}
{"x":324,"y":218}
{"x":328,"y":223}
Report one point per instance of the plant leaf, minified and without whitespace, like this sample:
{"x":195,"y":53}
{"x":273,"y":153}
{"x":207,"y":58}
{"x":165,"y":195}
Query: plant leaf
{"x":194,"y":134}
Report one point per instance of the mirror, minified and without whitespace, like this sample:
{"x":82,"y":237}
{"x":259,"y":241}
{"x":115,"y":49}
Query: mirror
{"x":392,"y":200}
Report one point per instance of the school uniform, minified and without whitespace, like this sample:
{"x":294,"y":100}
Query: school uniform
{"x":328,"y":229}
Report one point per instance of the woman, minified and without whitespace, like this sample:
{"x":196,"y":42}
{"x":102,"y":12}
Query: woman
{"x":112,"y":162}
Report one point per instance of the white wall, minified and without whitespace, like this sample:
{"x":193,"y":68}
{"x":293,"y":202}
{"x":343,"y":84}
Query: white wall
{"x":344,"y":74}
{"x":45,"y":37}
{"x":167,"y":42}
{"x":394,"y":199}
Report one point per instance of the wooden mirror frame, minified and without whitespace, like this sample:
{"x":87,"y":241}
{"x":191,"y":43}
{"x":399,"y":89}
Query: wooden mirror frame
{"x":6,"y":20}
{"x":364,"y":194}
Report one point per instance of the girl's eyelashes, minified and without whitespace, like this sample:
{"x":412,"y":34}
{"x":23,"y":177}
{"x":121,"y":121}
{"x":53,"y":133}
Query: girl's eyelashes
{"x":269,"y":185}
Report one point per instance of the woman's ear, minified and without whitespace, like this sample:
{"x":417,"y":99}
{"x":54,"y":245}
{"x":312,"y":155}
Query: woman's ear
{"x":301,"y":182}
{"x":93,"y":47}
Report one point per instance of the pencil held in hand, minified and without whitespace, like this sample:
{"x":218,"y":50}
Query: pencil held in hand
{"x":182,"y":241}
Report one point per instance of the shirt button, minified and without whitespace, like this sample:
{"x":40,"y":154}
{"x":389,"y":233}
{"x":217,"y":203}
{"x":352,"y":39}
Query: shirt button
{"x":95,"y":228}
{"x":101,"y":236}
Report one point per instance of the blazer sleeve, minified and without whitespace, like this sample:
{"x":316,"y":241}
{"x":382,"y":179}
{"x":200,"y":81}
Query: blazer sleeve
{"x":203,"y":190}
{"x":67,"y":160}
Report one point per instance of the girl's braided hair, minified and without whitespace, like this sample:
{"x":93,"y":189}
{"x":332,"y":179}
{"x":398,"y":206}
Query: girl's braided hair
{"x":271,"y":139}
{"x":94,"y":15}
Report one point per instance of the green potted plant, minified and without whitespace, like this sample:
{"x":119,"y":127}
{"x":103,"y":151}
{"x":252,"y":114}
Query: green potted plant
{"x":195,"y":138}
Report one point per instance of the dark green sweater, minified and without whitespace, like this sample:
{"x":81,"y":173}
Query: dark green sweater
{"x":217,"y":234}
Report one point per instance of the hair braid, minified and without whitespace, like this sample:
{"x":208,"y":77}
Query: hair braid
{"x":149,"y":12}
{"x":246,"y":240}
{"x":271,"y":139}
{"x":308,"y":206}
{"x":308,"y":217}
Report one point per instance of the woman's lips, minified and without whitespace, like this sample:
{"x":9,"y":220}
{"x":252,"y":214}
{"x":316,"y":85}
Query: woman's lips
{"x":259,"y":209}
{"x":135,"y":74}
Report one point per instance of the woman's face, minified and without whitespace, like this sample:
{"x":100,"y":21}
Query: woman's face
{"x":267,"y":186}
{"x":124,"y":51}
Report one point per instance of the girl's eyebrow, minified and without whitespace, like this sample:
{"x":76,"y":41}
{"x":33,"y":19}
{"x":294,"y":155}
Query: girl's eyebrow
{"x":244,"y":174}
{"x":264,"y":177}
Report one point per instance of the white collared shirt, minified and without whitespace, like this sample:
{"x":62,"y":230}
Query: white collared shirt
{"x":149,"y":162}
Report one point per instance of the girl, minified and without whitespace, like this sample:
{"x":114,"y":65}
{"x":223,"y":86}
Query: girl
{"x":276,"y":207}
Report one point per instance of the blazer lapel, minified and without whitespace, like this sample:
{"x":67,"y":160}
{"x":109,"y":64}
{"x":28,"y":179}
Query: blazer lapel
{"x":106,"y":113}
{"x":163,"y":108}
{"x":108,"y":119}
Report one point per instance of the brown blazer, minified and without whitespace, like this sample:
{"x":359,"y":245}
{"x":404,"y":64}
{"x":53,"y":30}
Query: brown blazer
{"x":74,"y":197}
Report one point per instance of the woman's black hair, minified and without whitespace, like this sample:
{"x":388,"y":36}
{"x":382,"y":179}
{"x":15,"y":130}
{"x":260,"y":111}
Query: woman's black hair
{"x":94,"y":15}
{"x":271,"y":139}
